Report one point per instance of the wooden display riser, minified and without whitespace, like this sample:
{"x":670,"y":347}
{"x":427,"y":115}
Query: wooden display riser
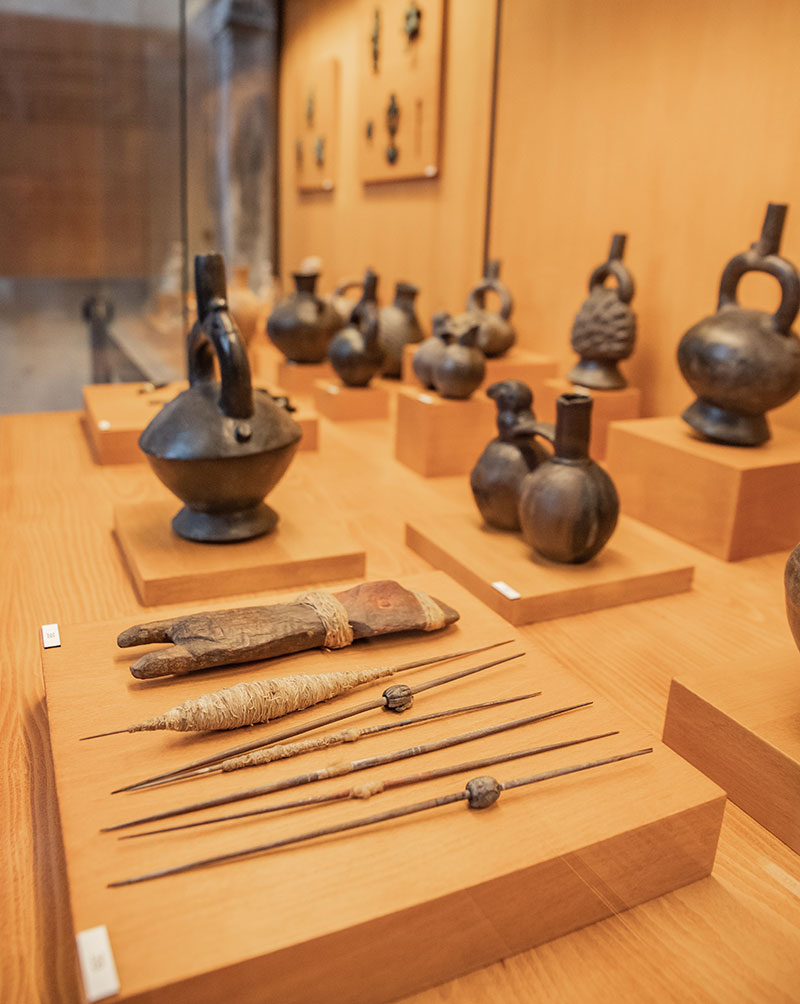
{"x":436,"y":894}
{"x":436,"y":436}
{"x":303,"y":549}
{"x":265,"y":359}
{"x":734,"y":502}
{"x":116,"y":414}
{"x":609,"y":406}
{"x":740,"y":724}
{"x":517,"y":364}
{"x":299,"y":378}
{"x":340,"y":403}
{"x":638,"y":563}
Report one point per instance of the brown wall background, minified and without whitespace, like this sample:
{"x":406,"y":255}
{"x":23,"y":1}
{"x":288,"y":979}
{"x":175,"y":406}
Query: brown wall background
{"x":672,"y":120}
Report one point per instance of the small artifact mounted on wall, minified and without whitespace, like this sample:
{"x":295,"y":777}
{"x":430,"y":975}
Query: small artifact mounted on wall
{"x":399,"y":106}
{"x":317,"y":128}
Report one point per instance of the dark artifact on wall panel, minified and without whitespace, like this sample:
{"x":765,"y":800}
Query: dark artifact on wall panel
{"x":568,"y":506}
{"x":355,"y":352}
{"x":604,"y":330}
{"x":399,"y":326}
{"x":302,"y":325}
{"x":497,"y":477}
{"x":460,"y":369}
{"x":496,"y":335}
{"x":220,"y":446}
{"x":740,"y":362}
{"x":431,"y":350}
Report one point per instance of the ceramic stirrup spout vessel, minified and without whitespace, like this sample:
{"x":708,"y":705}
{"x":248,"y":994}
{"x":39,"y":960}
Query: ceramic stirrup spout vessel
{"x":432,"y":349}
{"x":220,"y":446}
{"x":356,"y":353}
{"x":604,"y":330}
{"x":341,"y":302}
{"x":302,"y":325}
{"x":740,"y":362}
{"x":568,"y":506}
{"x":496,"y":334}
{"x":497,"y":477}
{"x":399,"y":326}
{"x":461,"y":367}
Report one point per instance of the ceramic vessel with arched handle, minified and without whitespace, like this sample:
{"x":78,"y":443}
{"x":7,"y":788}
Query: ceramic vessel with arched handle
{"x":495,"y":332}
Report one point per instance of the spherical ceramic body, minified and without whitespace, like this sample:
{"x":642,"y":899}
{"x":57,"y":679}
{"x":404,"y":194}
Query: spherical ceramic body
{"x":459,"y":371}
{"x":792,"y":590}
{"x":495,"y":335}
{"x":398,"y":327}
{"x":496,"y":480}
{"x":355,"y":358}
{"x":425,"y":359}
{"x":302,"y":325}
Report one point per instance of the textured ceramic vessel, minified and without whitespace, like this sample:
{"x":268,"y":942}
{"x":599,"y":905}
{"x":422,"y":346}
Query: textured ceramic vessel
{"x":302,"y":325}
{"x":496,"y":479}
{"x":568,"y":506}
{"x":740,"y":362}
{"x":220,"y":446}
{"x":432,"y":350}
{"x":604,"y":330}
{"x":496,"y":334}
{"x":461,"y":367}
{"x":399,"y":326}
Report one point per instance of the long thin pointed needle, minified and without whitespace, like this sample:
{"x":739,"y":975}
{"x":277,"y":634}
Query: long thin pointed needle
{"x":335,"y":716}
{"x":380,"y":817}
{"x":100,"y":735}
{"x":356,"y":765}
{"x":387,"y":785}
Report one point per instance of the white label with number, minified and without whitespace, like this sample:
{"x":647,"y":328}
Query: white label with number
{"x":50,"y":636}
{"x":506,"y":590}
{"x":96,"y":959}
{"x":424,"y":398}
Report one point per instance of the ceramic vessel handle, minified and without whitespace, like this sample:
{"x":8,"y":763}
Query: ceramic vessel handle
{"x":491,"y":283}
{"x":215,"y":333}
{"x":763,"y":257}
{"x":346,"y":284}
{"x":614,"y":267}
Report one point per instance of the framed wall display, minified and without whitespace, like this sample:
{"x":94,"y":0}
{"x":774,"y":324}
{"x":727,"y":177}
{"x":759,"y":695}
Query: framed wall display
{"x":316,"y":132}
{"x":400,"y":89}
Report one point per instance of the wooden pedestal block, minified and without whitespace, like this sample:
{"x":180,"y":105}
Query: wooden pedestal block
{"x":436,"y":436}
{"x":265,"y":359}
{"x":609,"y":406}
{"x":517,"y":364}
{"x":165,"y":568}
{"x":116,"y":414}
{"x":734,"y":502}
{"x":740,"y":724}
{"x":437,"y":894}
{"x":299,"y":378}
{"x":638,"y":563}
{"x":340,"y":403}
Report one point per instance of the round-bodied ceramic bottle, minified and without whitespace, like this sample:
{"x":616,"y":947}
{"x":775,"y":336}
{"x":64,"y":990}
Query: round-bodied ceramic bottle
{"x":461,"y":368}
{"x":302,"y":325}
{"x":568,"y":506}
{"x":399,"y":327}
{"x":432,"y":349}
{"x":496,"y":334}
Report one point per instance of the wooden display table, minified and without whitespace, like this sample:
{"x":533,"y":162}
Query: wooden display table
{"x":299,"y":378}
{"x":609,"y":406}
{"x":443,"y":892}
{"x":531,"y":368}
{"x":739,"y":722}
{"x":437,"y":436}
{"x":341,"y":403}
{"x":116,"y":414}
{"x":734,"y":502}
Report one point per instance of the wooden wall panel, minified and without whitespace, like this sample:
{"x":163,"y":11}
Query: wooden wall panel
{"x":673,"y":120}
{"x":428,"y":231}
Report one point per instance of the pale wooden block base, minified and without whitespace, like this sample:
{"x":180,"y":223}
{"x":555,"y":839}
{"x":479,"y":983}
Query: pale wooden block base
{"x":740,"y":724}
{"x":116,"y":414}
{"x":734,"y":502}
{"x":436,"y":437}
{"x":165,"y":568}
{"x":265,"y":359}
{"x":609,"y":406}
{"x":638,"y":563}
{"x":299,"y":378}
{"x":341,"y":403}
{"x":442,"y":892}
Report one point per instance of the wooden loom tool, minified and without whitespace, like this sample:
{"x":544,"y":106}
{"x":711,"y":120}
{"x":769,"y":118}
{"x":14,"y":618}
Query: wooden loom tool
{"x":370,"y":788}
{"x":479,"y":793}
{"x":337,"y":770}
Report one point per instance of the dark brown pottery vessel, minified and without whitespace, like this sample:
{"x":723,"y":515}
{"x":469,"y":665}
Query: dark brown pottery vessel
{"x":604,"y":330}
{"x":302,"y":325}
{"x":341,"y":302}
{"x":495,"y":335}
{"x":461,"y":367}
{"x":741,"y":363}
{"x":399,"y":326}
{"x":432,"y":350}
{"x":220,"y":446}
{"x":791,"y":581}
{"x":568,"y":506}
{"x":497,"y":477}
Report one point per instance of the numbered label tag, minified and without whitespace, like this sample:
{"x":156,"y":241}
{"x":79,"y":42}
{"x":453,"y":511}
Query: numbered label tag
{"x":96,"y":959}
{"x":332,"y":388}
{"x":425,"y":398}
{"x":506,"y":590}
{"x":50,"y":636}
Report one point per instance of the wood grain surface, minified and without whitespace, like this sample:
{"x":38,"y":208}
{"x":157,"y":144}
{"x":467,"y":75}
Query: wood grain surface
{"x":732,"y":937}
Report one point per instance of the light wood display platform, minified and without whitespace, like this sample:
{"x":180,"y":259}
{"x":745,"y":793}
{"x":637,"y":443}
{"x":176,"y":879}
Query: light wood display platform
{"x":265,"y":359}
{"x":165,"y":568}
{"x":341,"y":403}
{"x":739,"y":722}
{"x":517,"y":364}
{"x":638,"y":563}
{"x":116,"y":414}
{"x":437,"y":436}
{"x":609,"y":406}
{"x":299,"y":378}
{"x":321,"y":915}
{"x":734,"y":502}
